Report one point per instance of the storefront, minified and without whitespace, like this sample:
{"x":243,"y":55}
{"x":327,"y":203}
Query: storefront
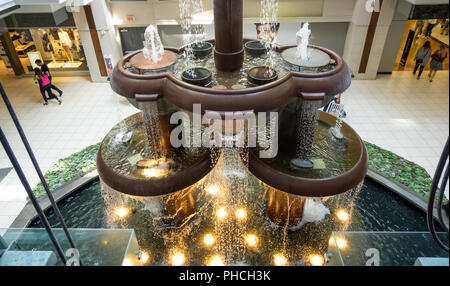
{"x":416,"y":34}
{"x":27,"y":38}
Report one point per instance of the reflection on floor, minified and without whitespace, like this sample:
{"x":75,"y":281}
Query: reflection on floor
{"x":396,"y":112}
{"x":418,"y":43}
{"x":64,"y":64}
{"x":436,"y":34}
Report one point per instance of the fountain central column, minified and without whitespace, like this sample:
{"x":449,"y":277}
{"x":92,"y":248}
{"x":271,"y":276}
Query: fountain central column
{"x":229,"y":50}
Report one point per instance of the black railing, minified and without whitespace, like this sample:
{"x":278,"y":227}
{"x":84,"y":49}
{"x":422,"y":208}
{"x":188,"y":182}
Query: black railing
{"x":25,"y":183}
{"x":438,"y":178}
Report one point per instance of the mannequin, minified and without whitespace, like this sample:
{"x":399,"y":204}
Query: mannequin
{"x":66,"y":43}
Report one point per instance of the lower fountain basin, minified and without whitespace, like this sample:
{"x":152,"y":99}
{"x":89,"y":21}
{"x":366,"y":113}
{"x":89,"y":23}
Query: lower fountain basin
{"x":122,"y":156}
{"x":340,"y":164}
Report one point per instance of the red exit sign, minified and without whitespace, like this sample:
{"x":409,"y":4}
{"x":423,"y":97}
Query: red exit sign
{"x":130,"y":18}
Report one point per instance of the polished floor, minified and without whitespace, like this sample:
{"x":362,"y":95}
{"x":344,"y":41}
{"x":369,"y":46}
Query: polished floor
{"x":396,"y":112}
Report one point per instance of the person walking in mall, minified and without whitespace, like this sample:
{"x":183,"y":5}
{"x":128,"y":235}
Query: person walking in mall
{"x":430,"y":27}
{"x":45,"y":85}
{"x":422,"y":57}
{"x":436,"y":62}
{"x":45,"y":70}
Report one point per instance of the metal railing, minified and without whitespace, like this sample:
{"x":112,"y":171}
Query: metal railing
{"x":438,"y":178}
{"x":25,"y":183}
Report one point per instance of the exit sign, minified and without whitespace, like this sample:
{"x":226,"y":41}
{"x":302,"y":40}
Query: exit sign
{"x":130,"y":18}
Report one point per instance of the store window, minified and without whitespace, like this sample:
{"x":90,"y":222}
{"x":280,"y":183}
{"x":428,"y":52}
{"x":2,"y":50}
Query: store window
{"x":60,"y":48}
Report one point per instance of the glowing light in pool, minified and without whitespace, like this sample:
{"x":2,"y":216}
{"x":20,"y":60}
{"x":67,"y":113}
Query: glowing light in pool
{"x":121,"y":212}
{"x":251,"y":240}
{"x":316,"y":260}
{"x":126,"y":262}
{"x":152,"y":172}
{"x":241,"y":214}
{"x":216,"y":261}
{"x":212,"y":189}
{"x":341,"y":243}
{"x":279,"y":259}
{"x":342,"y":215}
{"x":221,"y":213}
{"x":177,"y":258}
{"x":145,"y":257}
{"x":209,"y":239}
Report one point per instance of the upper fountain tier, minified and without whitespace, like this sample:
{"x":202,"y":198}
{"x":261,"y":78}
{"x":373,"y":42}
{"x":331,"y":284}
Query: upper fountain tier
{"x":230,"y":61}
{"x":151,"y":85}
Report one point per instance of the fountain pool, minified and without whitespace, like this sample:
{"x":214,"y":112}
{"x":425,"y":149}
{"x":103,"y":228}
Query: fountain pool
{"x":375,"y":209}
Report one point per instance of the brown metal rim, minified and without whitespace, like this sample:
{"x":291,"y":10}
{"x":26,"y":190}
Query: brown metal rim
{"x":311,"y":187}
{"x":153,"y":187}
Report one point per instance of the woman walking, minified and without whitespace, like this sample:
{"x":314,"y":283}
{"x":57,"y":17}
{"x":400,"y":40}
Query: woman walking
{"x":436,"y":62}
{"x":422,"y":57}
{"x":44,"y":85}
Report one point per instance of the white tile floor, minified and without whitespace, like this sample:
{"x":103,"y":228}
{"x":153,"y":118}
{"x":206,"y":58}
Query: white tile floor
{"x":399,"y":113}
{"x":396,"y":112}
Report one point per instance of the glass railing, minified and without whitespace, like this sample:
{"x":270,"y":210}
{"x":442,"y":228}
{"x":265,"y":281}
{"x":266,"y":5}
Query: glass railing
{"x":96,"y":247}
{"x":383,"y":248}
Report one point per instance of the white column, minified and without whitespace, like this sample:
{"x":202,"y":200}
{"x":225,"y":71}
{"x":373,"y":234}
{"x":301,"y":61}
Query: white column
{"x":356,"y":37}
{"x":106,"y":34}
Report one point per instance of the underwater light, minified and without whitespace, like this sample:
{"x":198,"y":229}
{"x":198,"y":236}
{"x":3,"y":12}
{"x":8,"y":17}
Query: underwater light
{"x":241,"y":214}
{"x":342,"y":215}
{"x":251,"y":240}
{"x":126,"y":262}
{"x":341,"y":243}
{"x":316,"y":260}
{"x":177,"y":259}
{"x":145,"y":257}
{"x":279,"y":259}
{"x":212,"y":189}
{"x":121,"y":212}
{"x":208,"y":239}
{"x":221,"y":213}
{"x":216,"y":261}
{"x":152,"y":172}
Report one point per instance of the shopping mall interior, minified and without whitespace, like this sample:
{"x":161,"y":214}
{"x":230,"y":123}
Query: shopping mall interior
{"x":224,"y":133}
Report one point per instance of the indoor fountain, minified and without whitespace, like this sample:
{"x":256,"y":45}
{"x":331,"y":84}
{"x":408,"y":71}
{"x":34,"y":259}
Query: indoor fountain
{"x":199,"y":195}
{"x":241,"y":209}
{"x":280,"y":183}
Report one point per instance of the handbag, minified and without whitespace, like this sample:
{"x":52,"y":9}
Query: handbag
{"x":419,"y":61}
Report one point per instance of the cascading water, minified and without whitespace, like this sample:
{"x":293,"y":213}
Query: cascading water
{"x":338,"y":111}
{"x":306,"y":125}
{"x":152,"y":125}
{"x":193,"y":33}
{"x":269,"y":20}
{"x":153,"y":47}
{"x":302,"y":42}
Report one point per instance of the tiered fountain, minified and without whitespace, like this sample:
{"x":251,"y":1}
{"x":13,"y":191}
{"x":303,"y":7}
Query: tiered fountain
{"x":241,"y":208}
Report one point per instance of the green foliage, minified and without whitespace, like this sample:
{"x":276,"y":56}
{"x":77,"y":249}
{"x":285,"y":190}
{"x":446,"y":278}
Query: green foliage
{"x":399,"y":169}
{"x":70,"y":168}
